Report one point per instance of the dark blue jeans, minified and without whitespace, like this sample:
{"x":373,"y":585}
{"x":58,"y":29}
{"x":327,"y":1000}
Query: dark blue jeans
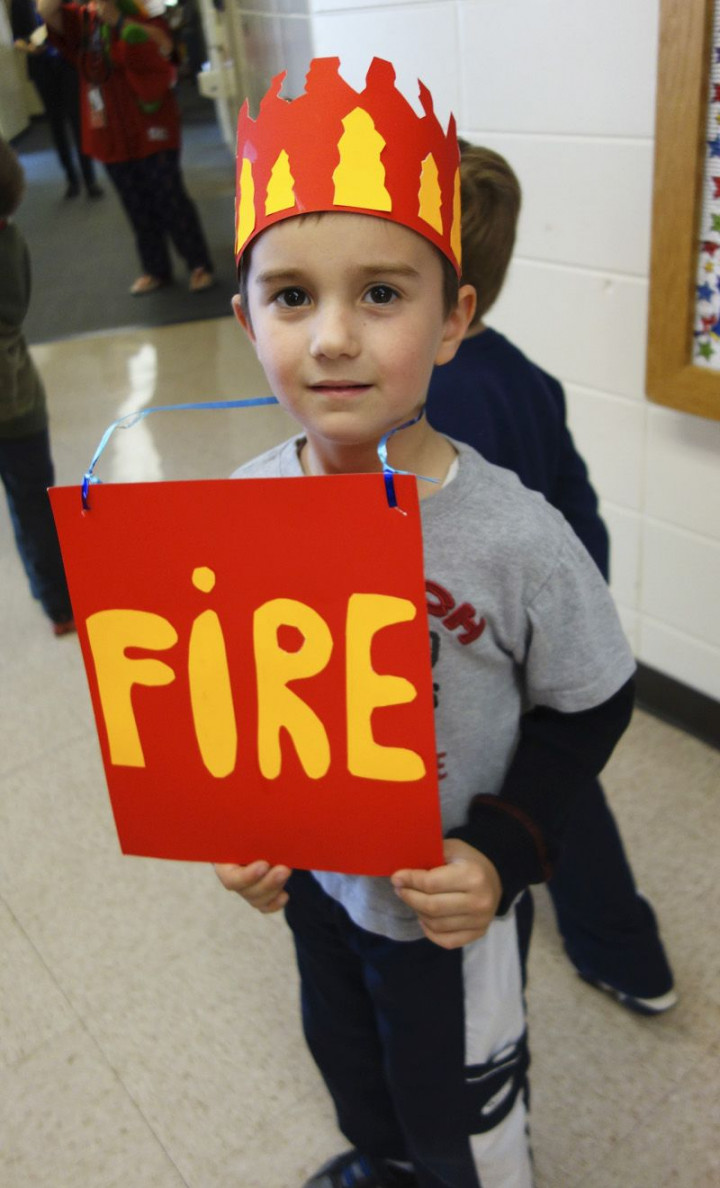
{"x":26,"y":470}
{"x":610,"y":931}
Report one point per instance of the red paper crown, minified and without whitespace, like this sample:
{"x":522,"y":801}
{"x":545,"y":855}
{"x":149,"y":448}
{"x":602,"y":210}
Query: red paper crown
{"x":334,"y":148}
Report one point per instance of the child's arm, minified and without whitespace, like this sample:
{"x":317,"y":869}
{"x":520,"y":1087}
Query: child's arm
{"x":50,"y":11}
{"x":260,"y":884}
{"x":519,"y":832}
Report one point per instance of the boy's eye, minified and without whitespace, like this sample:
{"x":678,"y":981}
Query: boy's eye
{"x":291,"y":298}
{"x":381,"y":295}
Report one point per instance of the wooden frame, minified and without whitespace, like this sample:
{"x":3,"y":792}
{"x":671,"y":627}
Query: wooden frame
{"x":680,"y":133}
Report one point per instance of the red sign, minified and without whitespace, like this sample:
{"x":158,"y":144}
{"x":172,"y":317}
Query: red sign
{"x":258,"y":658}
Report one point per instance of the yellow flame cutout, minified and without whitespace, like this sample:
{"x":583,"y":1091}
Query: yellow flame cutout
{"x":430,"y":194}
{"x":360,"y":176}
{"x":246,"y":205}
{"x":281,"y":186}
{"x":455,"y":242}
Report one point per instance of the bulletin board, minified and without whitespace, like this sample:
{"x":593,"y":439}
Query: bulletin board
{"x":683,"y":358}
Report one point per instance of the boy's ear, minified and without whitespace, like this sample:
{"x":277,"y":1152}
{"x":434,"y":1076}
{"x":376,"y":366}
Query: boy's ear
{"x":457,"y":324}
{"x":242,"y":317}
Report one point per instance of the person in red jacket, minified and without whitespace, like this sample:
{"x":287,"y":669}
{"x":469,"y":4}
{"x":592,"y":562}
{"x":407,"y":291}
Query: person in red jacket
{"x":131,"y":122}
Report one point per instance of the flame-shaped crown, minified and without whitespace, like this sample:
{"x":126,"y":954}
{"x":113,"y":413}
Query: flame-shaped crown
{"x":334,"y":148}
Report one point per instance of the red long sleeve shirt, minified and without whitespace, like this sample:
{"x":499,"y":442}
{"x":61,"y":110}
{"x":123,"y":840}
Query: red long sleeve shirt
{"x":118,"y":81}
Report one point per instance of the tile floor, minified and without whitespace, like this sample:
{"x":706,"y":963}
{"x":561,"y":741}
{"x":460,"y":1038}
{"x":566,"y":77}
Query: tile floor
{"x":148,"y":1030}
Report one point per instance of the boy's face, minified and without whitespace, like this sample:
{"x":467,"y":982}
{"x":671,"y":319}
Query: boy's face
{"x":346,"y":315}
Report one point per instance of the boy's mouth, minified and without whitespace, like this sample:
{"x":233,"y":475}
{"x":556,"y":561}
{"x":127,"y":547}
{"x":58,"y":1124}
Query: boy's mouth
{"x":340,"y":387}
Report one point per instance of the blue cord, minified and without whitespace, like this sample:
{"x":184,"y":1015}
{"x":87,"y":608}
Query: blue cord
{"x":131,"y":419}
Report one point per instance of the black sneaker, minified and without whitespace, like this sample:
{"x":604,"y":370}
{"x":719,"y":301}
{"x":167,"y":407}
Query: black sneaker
{"x":355,"y":1170}
{"x":632,"y":1002}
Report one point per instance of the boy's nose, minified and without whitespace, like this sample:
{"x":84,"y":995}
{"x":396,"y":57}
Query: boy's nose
{"x":334,"y":333}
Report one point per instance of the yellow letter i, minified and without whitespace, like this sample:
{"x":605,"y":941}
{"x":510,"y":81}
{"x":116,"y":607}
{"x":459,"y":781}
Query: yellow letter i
{"x":210,"y":689}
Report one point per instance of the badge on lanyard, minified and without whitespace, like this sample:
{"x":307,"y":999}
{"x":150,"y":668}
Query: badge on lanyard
{"x":98,"y":117}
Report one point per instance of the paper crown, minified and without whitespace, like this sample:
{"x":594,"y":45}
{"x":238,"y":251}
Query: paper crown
{"x":334,"y":148}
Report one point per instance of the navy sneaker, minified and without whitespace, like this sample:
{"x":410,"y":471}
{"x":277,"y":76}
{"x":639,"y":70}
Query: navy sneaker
{"x":640,"y":1006}
{"x":355,"y":1170}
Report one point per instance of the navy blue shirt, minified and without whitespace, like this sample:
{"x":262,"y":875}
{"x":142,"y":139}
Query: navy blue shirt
{"x":513,"y":413}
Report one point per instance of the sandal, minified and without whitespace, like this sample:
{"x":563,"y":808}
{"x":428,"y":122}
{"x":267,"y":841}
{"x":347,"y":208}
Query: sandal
{"x":201,"y":279}
{"x":146,"y":284}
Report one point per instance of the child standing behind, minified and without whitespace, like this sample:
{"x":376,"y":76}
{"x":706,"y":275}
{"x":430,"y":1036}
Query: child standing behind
{"x":26,"y":466}
{"x":499,"y":402}
{"x":412,"y":985}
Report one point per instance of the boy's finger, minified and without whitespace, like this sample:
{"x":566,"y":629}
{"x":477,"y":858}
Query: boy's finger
{"x":233,"y":876}
{"x":420,"y":880}
{"x":276,"y":904}
{"x":453,"y":940}
{"x":433,"y":882}
{"x":444,"y":924}
{"x":443,"y":904}
{"x":269,"y":885}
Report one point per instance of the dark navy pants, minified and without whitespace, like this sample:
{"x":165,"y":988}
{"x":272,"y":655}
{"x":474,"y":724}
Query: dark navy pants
{"x":609,"y":930}
{"x":423,"y":1051}
{"x":26,"y":470}
{"x":160,"y":210}
{"x":57,"y":82}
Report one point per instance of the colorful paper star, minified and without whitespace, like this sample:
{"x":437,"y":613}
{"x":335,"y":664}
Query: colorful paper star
{"x":716,"y":93}
{"x":710,"y":247}
{"x":716,"y":183}
{"x":704,"y":292}
{"x":715,"y":220}
{"x":705,"y":350}
{"x":714,"y":146}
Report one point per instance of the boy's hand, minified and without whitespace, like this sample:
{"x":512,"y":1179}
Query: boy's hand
{"x":259,"y":883}
{"x":455,"y":903}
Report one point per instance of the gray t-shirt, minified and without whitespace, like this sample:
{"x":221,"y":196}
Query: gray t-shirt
{"x":519,"y":616}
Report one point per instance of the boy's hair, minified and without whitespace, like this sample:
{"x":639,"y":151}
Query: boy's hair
{"x":491,"y":197}
{"x":450,"y":281}
{"x":12,"y":180}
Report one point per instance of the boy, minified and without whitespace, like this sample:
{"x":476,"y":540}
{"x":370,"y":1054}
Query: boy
{"x":492,"y":397}
{"x":412,"y":986}
{"x":26,"y":466}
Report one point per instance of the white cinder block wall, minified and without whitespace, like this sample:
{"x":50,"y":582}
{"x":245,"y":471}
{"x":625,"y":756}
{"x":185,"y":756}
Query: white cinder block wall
{"x":565,"y":89}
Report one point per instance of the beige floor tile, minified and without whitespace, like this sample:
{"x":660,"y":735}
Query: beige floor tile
{"x":675,"y":1145}
{"x":597,"y":1071}
{"x":67,"y":1122}
{"x":32,"y":1007}
{"x":32,"y":656}
{"x":284,"y":1156}
{"x":55,"y":823}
